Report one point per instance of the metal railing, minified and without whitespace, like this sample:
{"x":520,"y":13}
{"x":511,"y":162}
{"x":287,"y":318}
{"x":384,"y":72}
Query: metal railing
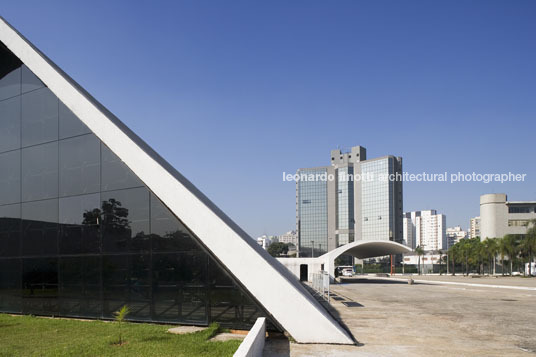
{"x":321,"y":284}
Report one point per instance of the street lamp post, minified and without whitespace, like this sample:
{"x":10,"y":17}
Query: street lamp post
{"x":312,"y":249}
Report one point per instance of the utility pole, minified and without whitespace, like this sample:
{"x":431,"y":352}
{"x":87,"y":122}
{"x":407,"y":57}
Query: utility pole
{"x":392,"y":272}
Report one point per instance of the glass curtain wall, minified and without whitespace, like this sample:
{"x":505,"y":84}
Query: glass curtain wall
{"x":81,"y":235}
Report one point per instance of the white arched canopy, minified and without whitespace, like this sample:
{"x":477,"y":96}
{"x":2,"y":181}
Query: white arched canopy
{"x":361,"y":250}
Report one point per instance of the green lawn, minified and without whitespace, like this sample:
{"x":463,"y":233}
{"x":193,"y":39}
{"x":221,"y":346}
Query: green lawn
{"x":35,"y":336}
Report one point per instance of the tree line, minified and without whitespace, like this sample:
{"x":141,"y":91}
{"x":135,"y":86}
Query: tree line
{"x":474,"y":255}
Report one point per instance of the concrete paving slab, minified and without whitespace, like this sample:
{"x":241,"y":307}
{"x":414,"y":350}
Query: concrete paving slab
{"x":227,"y":336}
{"x":181,"y":330}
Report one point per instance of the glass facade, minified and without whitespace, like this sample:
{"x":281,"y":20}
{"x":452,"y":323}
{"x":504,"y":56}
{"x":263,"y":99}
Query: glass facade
{"x":81,"y":235}
{"x":345,"y":204}
{"x":377,"y":200}
{"x":312,"y":213}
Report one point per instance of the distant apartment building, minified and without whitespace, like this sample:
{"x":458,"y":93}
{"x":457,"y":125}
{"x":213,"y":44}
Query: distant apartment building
{"x":454,"y":235}
{"x":409,"y":229}
{"x":264,"y":241}
{"x":291,"y":237}
{"x":425,"y":229}
{"x":499,"y":217}
{"x":474,"y":227}
{"x":336,"y":209}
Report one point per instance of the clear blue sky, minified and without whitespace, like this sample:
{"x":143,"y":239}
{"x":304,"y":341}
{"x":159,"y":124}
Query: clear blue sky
{"x":233,"y":93}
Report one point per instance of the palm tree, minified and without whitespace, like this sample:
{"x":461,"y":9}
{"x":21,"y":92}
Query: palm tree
{"x":503,"y":250}
{"x":489,"y":252}
{"x":510,"y":243}
{"x":440,"y":260}
{"x":452,"y":254}
{"x":494,"y":248}
{"x":419,"y":252}
{"x":529,"y":244}
{"x":120,"y":317}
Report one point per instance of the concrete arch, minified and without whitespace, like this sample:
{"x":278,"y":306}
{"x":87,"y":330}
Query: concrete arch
{"x":361,"y":250}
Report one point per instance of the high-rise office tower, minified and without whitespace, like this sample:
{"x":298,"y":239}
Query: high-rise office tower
{"x":352,"y":199}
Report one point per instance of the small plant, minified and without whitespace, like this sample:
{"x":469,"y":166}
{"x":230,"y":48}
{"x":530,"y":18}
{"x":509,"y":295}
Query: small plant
{"x":120,"y":316}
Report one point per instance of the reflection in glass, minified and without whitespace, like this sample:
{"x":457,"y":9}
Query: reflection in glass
{"x":80,"y":286}
{"x":10,"y":177}
{"x":40,"y":172}
{"x":10,"y":124}
{"x":30,"y":81}
{"x":79,"y":165}
{"x":115,"y":173}
{"x":10,"y":285}
{"x":126,"y":280}
{"x":167,"y":232}
{"x":125,"y":220}
{"x":10,"y":230}
{"x":39,"y":117}
{"x":40,"y":227}
{"x":70,"y":125}
{"x":40,"y":286}
{"x":10,"y":74}
{"x":79,"y":218}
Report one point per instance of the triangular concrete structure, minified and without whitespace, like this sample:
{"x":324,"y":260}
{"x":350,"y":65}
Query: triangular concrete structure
{"x":266,"y":280}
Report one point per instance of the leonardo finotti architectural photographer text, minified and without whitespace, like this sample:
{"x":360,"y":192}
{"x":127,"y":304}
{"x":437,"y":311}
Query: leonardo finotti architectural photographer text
{"x":410,"y":177}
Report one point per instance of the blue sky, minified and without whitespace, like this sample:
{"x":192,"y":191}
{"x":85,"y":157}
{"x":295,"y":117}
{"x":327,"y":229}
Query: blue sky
{"x":233,"y":93}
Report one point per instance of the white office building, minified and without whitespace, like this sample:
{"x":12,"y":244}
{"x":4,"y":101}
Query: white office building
{"x":426,"y":229}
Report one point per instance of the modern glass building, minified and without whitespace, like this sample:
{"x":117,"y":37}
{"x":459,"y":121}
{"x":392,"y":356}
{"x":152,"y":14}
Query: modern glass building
{"x":345,"y":206}
{"x":380,"y":207}
{"x":350,"y":206}
{"x":81,"y":235}
{"x":312,"y":212}
{"x":91,"y":219}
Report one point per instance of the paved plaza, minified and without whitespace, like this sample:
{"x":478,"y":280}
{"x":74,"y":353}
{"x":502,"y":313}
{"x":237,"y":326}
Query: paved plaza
{"x":390,"y":317}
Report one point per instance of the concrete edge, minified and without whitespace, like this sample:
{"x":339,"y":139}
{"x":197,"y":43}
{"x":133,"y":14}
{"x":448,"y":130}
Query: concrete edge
{"x":253,"y":344}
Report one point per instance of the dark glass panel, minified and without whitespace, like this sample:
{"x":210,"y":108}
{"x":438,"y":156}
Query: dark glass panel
{"x":193,"y":305}
{"x":179,"y":287}
{"x":115,"y":173}
{"x":79,"y":217}
{"x":70,"y":125}
{"x":40,"y":286}
{"x":79,"y":165}
{"x":10,"y":124}
{"x":167,"y":232}
{"x":114,"y":283}
{"x":39,"y":117}
{"x":226,"y":300}
{"x":140,"y":287}
{"x":10,"y":84}
{"x":9,"y":73}
{"x":40,"y":172}
{"x":30,"y":81}
{"x":193,"y":269}
{"x":125,"y":220}
{"x":10,"y":288}
{"x":10,"y":228}
{"x":10,"y":177}
{"x":80,"y":286}
{"x":165,"y":290}
{"x":40,"y":227}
